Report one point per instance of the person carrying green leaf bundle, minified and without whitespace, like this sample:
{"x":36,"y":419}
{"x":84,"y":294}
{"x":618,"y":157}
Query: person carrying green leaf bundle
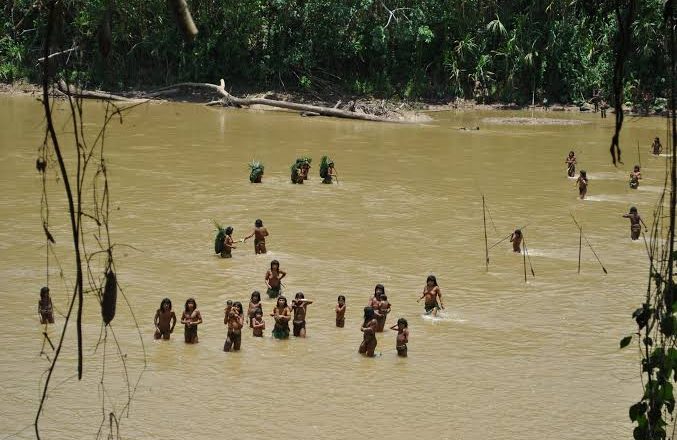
{"x":327,"y":170}
{"x":255,"y":171}
{"x":297,"y":172}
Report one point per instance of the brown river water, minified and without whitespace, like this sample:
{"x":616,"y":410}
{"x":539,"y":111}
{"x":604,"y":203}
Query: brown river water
{"x":507,"y":359}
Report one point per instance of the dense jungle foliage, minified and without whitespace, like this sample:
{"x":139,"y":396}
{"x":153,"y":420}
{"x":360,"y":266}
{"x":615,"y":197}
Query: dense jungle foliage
{"x":490,"y":50}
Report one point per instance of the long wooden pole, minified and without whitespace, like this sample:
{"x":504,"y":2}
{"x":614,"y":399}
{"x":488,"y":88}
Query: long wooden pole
{"x":486,"y":242}
{"x":580,"y":245}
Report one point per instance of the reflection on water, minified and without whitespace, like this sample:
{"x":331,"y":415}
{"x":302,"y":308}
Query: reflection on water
{"x":506,"y":360}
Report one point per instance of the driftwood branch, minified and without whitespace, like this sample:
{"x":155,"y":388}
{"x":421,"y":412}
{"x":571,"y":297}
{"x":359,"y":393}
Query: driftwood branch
{"x":88,"y":94}
{"x":229,"y":99}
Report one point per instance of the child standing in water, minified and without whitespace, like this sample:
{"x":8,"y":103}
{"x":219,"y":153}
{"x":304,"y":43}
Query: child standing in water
{"x":582,"y":183}
{"x":432,"y":296}
{"x":571,"y":164}
{"x":254,"y":304}
{"x":341,"y":311}
{"x":234,"y":319}
{"x":368,"y":329}
{"x":190,"y":318}
{"x":281,"y":314}
{"x":402,"y":328}
{"x":258,"y":324}
{"x":382,"y":312}
{"x":165,"y":320}
{"x":656,"y":147}
{"x":259,"y":233}
{"x":516,"y":240}
{"x":273,"y":279}
{"x":45,"y":307}
{"x":636,"y":223}
{"x":300,"y":306}
{"x":635,"y":177}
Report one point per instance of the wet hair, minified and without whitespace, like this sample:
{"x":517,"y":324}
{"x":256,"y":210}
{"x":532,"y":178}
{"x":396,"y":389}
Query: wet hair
{"x":274,"y":262}
{"x":636,"y":168}
{"x":431,"y":278}
{"x":368,"y":315}
{"x":281,"y":297}
{"x":583,"y":173}
{"x":518,"y":232}
{"x":258,"y":311}
{"x":633,"y":209}
{"x":376,"y":290}
{"x":384,"y":297}
{"x":188,"y":301}
{"x":258,"y":223}
{"x":403,"y":322}
{"x":166,"y":301}
{"x":229,"y":230}
{"x":238,"y":306}
{"x":571,"y":153}
{"x":256,"y":294}
{"x":299,"y":295}
{"x":341,"y":297}
{"x":44,"y":292}
{"x":229,"y":303}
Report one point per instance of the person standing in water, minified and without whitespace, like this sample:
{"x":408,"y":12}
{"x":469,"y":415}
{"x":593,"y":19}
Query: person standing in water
{"x":636,"y":223}
{"x":299,"y":306}
{"x":273,"y":279}
{"x":228,"y":243}
{"x":254,"y":304}
{"x":402,"y":339}
{"x":582,"y":183}
{"x":234,"y":319}
{"x":635,"y":177}
{"x":375,"y":300}
{"x":45,"y":307}
{"x":571,"y":164}
{"x":382,"y":312}
{"x":656,"y":147}
{"x":431,"y":296}
{"x":258,"y":324}
{"x":368,"y":329}
{"x":165,"y":320}
{"x":191,"y":318}
{"x":281,"y":314}
{"x":341,"y":311}
{"x":259,"y":233}
{"x":516,"y":240}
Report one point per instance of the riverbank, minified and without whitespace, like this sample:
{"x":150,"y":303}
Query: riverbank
{"x":404,"y":109}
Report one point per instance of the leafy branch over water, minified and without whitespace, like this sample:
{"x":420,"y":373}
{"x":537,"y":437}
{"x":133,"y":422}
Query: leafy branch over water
{"x":656,"y":321}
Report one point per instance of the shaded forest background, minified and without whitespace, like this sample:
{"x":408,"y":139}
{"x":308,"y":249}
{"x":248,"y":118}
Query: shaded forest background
{"x":489,"y":50}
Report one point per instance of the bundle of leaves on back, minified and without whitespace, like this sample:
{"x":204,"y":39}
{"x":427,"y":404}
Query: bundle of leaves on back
{"x":218,"y":239}
{"x":656,"y":322}
{"x":255,"y":171}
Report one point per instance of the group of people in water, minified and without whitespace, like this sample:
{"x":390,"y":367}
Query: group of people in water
{"x":235,"y":318}
{"x":378,"y":306}
{"x":582,"y":184}
{"x":300,"y":170}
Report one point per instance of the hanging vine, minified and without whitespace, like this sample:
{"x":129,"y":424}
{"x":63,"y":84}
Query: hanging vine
{"x":88,"y":197}
{"x":656,"y":333}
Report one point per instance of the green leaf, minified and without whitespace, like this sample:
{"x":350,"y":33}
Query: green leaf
{"x":666,"y":392}
{"x":625,"y":341}
{"x":637,"y":410}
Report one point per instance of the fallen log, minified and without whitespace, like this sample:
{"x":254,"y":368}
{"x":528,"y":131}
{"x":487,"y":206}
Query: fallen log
{"x":229,"y":99}
{"x":88,"y":94}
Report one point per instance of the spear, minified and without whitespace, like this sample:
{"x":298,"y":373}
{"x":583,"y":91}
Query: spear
{"x":588,"y":243}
